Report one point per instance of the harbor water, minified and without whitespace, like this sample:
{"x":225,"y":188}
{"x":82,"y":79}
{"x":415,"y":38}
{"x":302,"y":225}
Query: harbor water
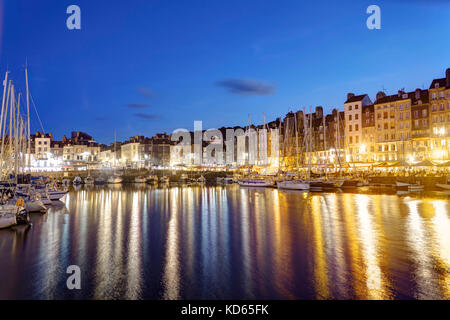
{"x":230,"y":242}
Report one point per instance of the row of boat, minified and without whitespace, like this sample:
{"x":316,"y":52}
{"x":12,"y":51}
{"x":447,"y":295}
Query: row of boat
{"x":19,"y":200}
{"x":116,"y":179}
{"x":322,"y":184}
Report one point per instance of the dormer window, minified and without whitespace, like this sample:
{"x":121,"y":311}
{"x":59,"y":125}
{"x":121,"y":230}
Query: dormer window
{"x":436,"y":85}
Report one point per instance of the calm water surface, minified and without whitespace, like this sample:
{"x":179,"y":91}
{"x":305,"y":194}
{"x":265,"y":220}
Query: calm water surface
{"x":230,"y":242}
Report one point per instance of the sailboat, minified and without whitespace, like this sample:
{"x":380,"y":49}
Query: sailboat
{"x":253,"y":182}
{"x":314,"y":184}
{"x":445,"y":186}
{"x":115,"y":178}
{"x":296,"y":183}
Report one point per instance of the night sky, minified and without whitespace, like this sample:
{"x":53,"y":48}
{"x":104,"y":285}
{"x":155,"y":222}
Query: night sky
{"x":143,"y":66}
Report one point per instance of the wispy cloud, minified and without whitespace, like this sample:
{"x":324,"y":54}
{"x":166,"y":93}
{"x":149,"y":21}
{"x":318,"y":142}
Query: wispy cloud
{"x":145,"y":92}
{"x":137,"y":105}
{"x":147,"y":116}
{"x":247,"y":87}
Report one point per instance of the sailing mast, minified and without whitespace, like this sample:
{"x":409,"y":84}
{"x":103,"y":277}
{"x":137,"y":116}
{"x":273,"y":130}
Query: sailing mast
{"x":248,"y":150}
{"x":28,"y":118}
{"x":5,"y":84}
{"x":325,"y":145}
{"x":310,"y":142}
{"x":296,"y":142}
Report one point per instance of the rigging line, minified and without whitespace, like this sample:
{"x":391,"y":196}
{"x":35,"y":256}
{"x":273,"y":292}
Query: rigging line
{"x":39,"y":118}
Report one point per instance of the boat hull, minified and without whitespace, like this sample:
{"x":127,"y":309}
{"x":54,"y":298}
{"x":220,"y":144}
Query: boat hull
{"x":293,"y":185}
{"x":35,"y":206}
{"x":254,"y":183}
{"x":443,"y":186}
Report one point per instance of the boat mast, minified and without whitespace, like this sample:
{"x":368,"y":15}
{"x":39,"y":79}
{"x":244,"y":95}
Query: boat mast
{"x":325,"y":145}
{"x":296,"y":142}
{"x":5,"y":83}
{"x":248,"y":150}
{"x":28,"y":119}
{"x":310,"y":142}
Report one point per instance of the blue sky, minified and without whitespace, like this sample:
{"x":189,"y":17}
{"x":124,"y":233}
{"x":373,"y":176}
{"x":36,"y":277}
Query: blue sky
{"x":141,"y":67}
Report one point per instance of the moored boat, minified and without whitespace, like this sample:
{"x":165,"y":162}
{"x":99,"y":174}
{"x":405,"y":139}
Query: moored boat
{"x":152,"y":179}
{"x":140,"y":179}
{"x":445,"y":186}
{"x":296,"y":184}
{"x":77,"y":181}
{"x":164,"y":179}
{"x":255,"y":183}
{"x":115,"y":179}
{"x":89,"y":180}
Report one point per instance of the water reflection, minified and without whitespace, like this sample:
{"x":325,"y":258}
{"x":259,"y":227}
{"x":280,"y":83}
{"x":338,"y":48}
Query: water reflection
{"x":231,"y":242}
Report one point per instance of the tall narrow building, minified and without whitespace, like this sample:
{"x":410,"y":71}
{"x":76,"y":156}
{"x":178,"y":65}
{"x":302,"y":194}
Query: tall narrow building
{"x":353,"y":125}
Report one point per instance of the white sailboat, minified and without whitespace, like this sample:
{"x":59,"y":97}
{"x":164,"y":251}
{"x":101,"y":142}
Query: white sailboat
{"x":115,"y":178}
{"x":140,"y":179}
{"x":445,"y":186}
{"x":296,"y":183}
{"x":250,"y":181}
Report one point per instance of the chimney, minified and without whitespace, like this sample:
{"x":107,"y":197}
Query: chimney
{"x":350,"y":95}
{"x":417,"y":94}
{"x":319,"y":112}
{"x":380,"y":95}
{"x":447,"y":76}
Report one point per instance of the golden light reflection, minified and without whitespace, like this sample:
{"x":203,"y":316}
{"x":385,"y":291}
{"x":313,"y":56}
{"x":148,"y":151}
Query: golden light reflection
{"x":171,"y":265}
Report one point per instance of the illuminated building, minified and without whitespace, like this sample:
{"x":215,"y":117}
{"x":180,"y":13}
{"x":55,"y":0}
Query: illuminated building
{"x":353,"y":125}
{"x":440,"y":117}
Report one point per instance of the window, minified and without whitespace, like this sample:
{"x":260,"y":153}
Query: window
{"x":350,"y":108}
{"x":407,"y":115}
{"x":378,"y":115}
{"x":433,"y":96}
{"x":441,"y":107}
{"x":434,"y":107}
{"x":357,"y":139}
{"x":350,"y":118}
{"x":424,"y":112}
{"x":401,"y":125}
{"x":392,"y":125}
{"x":407,"y":125}
{"x":385,"y":126}
{"x":356,"y":127}
{"x":350,"y":128}
{"x":356,"y":107}
{"x":416,"y":114}
{"x":401,"y":116}
{"x":385,"y":115}
{"x":350,"y":140}
{"x":356,"y":117}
